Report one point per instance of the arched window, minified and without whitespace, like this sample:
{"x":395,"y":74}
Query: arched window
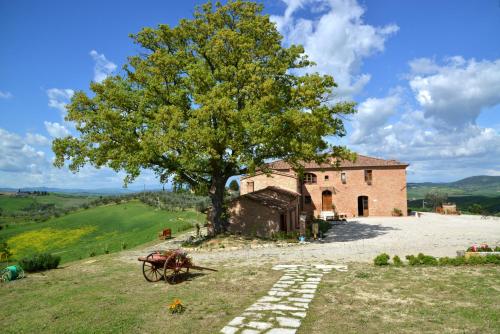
{"x":309,"y":178}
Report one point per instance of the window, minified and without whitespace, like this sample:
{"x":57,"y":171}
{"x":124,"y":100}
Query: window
{"x":343,"y":177}
{"x":307,"y":200}
{"x":309,"y":178}
{"x":250,"y":187}
{"x":326,"y":177}
{"x":368,"y":176}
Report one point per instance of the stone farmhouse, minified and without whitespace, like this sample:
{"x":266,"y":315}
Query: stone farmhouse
{"x":271,"y":203}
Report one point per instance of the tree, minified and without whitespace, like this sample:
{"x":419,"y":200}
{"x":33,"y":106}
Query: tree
{"x":436,"y":198}
{"x":215,"y":96}
{"x":234,"y":186}
{"x":476,"y":208}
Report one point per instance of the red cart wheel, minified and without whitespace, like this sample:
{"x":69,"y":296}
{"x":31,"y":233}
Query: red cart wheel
{"x":175,"y":266}
{"x":151,"y":271}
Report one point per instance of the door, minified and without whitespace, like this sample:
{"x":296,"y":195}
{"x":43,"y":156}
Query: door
{"x":327,"y":201}
{"x":283,"y":223}
{"x":363,"y":206}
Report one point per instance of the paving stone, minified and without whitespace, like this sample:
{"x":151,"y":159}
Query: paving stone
{"x":281,"y":331}
{"x":250,"y":331}
{"x":285,"y":303}
{"x":229,"y":330}
{"x":288,"y":322}
{"x":308,"y":286}
{"x":236,"y":321}
{"x":299,"y":314}
{"x":259,"y":325}
{"x":302,"y":300}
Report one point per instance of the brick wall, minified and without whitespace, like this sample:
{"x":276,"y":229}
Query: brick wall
{"x":386,"y":192}
{"x":261,"y":181}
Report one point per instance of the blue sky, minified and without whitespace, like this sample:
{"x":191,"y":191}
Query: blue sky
{"x":425,"y":74}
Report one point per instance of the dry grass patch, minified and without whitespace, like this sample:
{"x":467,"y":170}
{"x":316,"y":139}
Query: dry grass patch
{"x":109,"y":296}
{"x":369,"y":299}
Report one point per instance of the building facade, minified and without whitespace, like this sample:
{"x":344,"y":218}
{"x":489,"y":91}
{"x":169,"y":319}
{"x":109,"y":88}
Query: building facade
{"x":367,"y":187}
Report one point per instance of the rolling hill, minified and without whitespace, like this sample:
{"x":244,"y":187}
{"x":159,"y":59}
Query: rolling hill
{"x":482,"y":185}
{"x":483,"y":190}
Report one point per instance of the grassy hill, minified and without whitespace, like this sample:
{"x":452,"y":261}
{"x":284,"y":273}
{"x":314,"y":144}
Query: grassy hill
{"x":481,"y":185}
{"x":11,"y":204}
{"x":96,"y":230}
{"x":483,"y":190}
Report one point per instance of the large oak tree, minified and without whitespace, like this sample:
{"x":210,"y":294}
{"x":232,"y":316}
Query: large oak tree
{"x":216,"y":96}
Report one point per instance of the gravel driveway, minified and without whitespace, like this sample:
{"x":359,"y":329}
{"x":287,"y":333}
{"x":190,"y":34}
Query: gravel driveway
{"x":361,"y":239}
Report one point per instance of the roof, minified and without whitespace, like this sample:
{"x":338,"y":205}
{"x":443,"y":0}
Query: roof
{"x":361,"y":161}
{"x":265,"y":197}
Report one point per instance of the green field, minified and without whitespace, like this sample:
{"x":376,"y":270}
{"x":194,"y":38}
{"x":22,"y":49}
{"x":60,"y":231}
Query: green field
{"x":93,"y":231}
{"x":109,"y":295}
{"x":11,"y":204}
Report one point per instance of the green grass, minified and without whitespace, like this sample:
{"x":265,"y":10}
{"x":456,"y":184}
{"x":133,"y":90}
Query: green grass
{"x":112,"y":296}
{"x":94,"y":230}
{"x":12,"y":204}
{"x":109,"y":295}
{"x":369,"y":299}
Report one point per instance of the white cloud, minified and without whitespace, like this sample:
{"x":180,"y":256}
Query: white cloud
{"x":103,"y":67}
{"x":337,"y":39}
{"x":373,"y":114}
{"x":17,"y":156}
{"x":36,"y":139}
{"x":455,"y":92}
{"x":56,"y":130}
{"x":5,"y":95}
{"x":59,"y":98}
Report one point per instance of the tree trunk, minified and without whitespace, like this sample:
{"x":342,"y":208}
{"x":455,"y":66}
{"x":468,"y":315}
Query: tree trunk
{"x":216,"y":194}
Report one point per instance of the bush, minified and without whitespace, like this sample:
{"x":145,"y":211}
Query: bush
{"x":412,"y":260}
{"x":382,"y":260}
{"x":397,"y":212}
{"x":427,"y":260}
{"x":397,"y":261}
{"x":39,"y":262}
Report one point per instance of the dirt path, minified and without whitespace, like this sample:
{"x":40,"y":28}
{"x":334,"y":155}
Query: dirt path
{"x":361,"y":240}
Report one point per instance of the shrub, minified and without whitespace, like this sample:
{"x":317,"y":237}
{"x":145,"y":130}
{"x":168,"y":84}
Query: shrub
{"x":397,"y":212}
{"x":92,"y":254}
{"x":474,"y":260}
{"x":124,"y":245}
{"x":412,"y":260}
{"x":381,"y":260}
{"x":397,"y":261}
{"x":4,"y":251}
{"x":492,"y":258}
{"x":444,"y":261}
{"x":427,"y":260}
{"x":39,"y":262}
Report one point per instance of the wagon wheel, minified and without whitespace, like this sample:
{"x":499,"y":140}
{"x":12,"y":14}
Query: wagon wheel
{"x":151,"y":272}
{"x":174,"y":267}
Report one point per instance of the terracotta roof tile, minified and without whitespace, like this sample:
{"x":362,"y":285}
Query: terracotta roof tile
{"x":362,"y":161}
{"x":279,"y":200}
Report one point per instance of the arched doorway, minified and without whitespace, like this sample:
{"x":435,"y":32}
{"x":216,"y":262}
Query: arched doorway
{"x":363,"y":206}
{"x":326,"y":200}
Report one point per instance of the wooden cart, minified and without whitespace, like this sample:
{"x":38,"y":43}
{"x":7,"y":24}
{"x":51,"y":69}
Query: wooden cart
{"x":169,"y":265}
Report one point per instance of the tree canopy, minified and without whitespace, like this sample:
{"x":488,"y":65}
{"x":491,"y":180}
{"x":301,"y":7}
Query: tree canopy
{"x":217,"y":95}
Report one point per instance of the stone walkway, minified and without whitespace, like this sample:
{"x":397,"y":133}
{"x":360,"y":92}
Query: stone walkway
{"x":281,"y":311}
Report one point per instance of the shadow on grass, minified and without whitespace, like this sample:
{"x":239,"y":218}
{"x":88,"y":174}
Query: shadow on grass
{"x":184,"y":277}
{"x":354,"y":230}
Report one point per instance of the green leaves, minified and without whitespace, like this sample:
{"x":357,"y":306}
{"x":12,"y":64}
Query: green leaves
{"x":212,"y":97}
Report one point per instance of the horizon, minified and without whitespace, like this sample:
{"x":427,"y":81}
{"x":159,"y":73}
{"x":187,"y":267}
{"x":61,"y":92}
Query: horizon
{"x":427,"y":86}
